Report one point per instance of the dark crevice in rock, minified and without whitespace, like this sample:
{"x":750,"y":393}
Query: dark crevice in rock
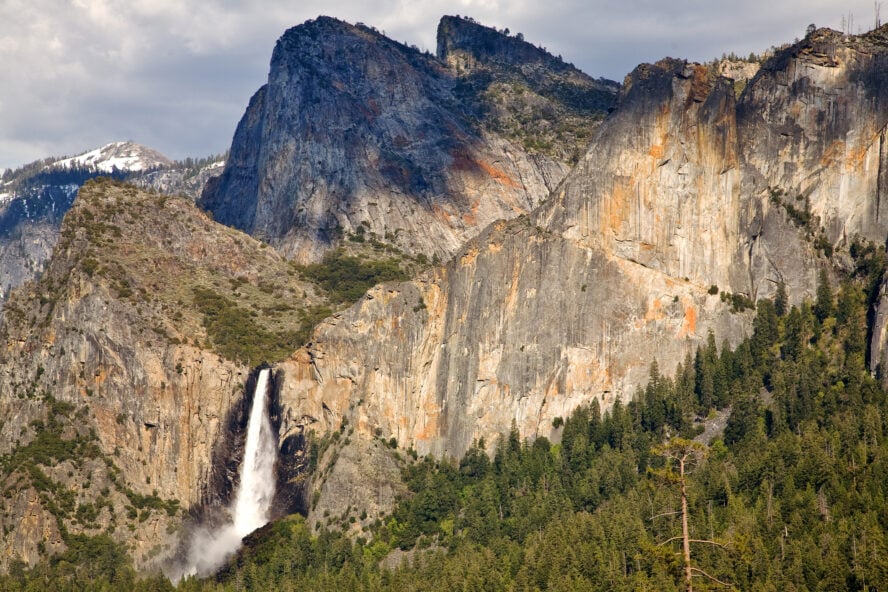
{"x":292,"y":461}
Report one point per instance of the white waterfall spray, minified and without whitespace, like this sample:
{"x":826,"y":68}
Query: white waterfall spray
{"x":210,"y":548}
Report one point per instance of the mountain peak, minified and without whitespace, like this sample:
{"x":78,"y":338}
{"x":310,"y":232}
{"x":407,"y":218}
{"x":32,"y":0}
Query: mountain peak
{"x":325,"y":24}
{"x":120,"y":156}
{"x":463,"y":34}
{"x":313,"y":40}
{"x":356,"y":130}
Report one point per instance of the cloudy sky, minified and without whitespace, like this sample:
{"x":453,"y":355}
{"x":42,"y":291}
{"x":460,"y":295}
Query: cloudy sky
{"x":176,"y":74}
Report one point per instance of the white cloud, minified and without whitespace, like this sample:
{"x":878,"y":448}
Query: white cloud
{"x":177,"y":74}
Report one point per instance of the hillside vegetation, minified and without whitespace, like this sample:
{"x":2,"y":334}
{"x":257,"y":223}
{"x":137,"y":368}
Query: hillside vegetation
{"x":190,"y":280}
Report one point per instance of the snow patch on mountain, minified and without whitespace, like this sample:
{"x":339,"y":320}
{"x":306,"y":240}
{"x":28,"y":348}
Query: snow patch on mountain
{"x":119,"y":156}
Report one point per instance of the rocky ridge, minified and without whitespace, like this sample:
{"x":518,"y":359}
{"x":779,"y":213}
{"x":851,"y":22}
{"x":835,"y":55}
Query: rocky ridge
{"x":524,"y":93}
{"x":35,"y":197}
{"x":355,"y":129}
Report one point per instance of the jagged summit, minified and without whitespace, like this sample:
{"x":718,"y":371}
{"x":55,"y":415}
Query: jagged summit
{"x":336,"y":31}
{"x":513,"y":78}
{"x":355,"y":130}
{"x":327,"y":25}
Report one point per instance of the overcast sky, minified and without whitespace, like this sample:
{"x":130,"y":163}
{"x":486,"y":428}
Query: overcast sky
{"x":176,"y":75}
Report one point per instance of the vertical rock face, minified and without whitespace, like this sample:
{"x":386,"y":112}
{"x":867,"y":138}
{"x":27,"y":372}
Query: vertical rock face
{"x":661,"y":184}
{"x":523,"y":326}
{"x":878,"y":352}
{"x":573,"y":303}
{"x":813,"y":124}
{"x":687,"y":182}
{"x":683,"y":187}
{"x":353,"y":128}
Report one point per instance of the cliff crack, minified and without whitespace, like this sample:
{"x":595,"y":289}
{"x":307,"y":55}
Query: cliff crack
{"x":880,"y":173}
{"x":314,"y":366}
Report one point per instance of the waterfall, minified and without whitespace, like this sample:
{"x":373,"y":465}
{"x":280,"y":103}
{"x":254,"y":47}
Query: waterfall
{"x":210,"y":548}
{"x":256,"y":488}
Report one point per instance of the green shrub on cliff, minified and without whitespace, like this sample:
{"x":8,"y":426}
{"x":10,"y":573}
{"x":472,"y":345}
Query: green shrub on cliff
{"x":346,"y":278}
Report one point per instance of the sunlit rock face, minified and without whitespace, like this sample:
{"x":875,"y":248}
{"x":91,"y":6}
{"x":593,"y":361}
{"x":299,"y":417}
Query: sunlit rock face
{"x":685,"y":187}
{"x":812,"y":123}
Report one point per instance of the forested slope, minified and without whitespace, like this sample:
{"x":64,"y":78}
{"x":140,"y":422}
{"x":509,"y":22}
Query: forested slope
{"x":791,"y":496}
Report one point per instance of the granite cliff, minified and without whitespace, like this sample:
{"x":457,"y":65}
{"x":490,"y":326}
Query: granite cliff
{"x":686,"y":191}
{"x":355,"y":129}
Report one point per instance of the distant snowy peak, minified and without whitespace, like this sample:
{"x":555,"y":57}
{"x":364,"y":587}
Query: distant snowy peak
{"x":120,"y":156}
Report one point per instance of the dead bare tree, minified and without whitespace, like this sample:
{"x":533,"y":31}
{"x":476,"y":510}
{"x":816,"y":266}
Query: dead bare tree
{"x":683,"y":456}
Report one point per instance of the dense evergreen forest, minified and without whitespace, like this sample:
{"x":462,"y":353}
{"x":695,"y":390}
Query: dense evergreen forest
{"x":790,"y":496}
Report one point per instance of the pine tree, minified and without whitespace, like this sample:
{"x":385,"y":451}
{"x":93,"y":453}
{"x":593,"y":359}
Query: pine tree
{"x":823,"y":305}
{"x":781,"y":300}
